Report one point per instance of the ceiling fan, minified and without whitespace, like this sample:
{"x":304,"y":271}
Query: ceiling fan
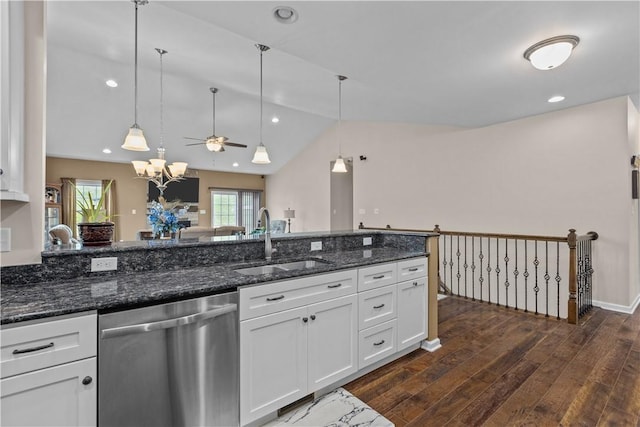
{"x":214,"y":142}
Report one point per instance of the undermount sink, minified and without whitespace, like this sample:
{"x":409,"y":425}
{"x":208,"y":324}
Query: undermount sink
{"x":275,"y":268}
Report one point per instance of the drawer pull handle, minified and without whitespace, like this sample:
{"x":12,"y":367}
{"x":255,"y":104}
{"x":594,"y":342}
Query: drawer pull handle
{"x":378,"y":306}
{"x":378,"y":343}
{"x":413,"y":269}
{"x":275,"y":298}
{"x":32,"y":349}
{"x":378,"y":277}
{"x":334,"y":286}
{"x":415,"y":283}
{"x":313,"y":317}
{"x":305,"y":319}
{"x":87,"y":380}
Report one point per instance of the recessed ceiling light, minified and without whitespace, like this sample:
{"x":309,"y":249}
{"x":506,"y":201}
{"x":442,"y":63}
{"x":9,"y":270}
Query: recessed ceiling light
{"x":285,"y":14}
{"x":111,"y":83}
{"x":235,"y":164}
{"x":106,"y":151}
{"x":556,"y":98}
{"x":274,"y":119}
{"x":551,"y":53}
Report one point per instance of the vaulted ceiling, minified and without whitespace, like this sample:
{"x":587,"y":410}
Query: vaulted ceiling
{"x":452,"y":63}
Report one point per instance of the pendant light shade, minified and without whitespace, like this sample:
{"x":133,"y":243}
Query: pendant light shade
{"x":261,"y":157}
{"x":135,"y":140}
{"x":339,"y":166}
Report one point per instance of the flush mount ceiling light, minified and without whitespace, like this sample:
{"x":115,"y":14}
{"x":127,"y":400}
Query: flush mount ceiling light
{"x":261,"y":157}
{"x":285,"y":14}
{"x":135,"y":140}
{"x":551,"y":53}
{"x":339,"y":166}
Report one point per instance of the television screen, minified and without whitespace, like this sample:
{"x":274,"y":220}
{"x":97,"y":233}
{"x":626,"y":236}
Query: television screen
{"x":185,"y":191}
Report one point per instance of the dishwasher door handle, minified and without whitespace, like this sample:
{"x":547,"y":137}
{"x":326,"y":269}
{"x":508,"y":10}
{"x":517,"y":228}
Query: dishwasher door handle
{"x":169,"y":323}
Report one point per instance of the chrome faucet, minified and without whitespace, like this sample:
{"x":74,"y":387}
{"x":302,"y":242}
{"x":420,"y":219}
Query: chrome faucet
{"x":267,"y":233}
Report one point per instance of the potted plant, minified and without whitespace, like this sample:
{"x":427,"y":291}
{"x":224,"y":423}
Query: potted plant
{"x":95,"y":228}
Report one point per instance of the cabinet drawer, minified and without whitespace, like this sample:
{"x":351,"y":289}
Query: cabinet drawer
{"x":40,"y":345}
{"x":376,"y":276}
{"x":270,"y":298}
{"x":376,"y":306}
{"x":376,"y":343}
{"x":412,"y":269}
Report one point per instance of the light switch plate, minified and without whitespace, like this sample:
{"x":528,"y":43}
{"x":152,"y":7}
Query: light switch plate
{"x":366,"y":241}
{"x":316,"y":246}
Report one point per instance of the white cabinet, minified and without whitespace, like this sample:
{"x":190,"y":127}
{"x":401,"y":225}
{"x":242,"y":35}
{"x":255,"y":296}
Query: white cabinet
{"x":49,"y":373}
{"x":287,"y":353}
{"x":412,"y":312}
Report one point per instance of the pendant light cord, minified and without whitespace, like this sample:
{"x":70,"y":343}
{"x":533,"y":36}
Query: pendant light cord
{"x":161,"y":52}
{"x":213,"y":118}
{"x":135,"y":68}
{"x":261,"y":102}
{"x":340,"y":79}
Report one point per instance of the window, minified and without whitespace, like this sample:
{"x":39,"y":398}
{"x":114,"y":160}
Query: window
{"x":235,"y":207}
{"x":84,"y":188}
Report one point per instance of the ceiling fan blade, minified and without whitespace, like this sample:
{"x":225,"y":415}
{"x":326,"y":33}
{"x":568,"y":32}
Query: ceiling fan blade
{"x":234,"y":144}
{"x":196,"y":143}
{"x":197,"y":139}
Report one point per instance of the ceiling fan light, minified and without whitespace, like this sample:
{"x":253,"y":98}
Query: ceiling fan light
{"x":551,"y":53}
{"x":135,"y":140}
{"x":140,"y":166}
{"x":213,"y":144}
{"x":261,"y":157}
{"x":339,"y":166}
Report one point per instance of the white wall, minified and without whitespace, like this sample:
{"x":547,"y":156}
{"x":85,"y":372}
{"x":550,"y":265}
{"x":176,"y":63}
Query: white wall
{"x":634,"y":220}
{"x":538,"y":175}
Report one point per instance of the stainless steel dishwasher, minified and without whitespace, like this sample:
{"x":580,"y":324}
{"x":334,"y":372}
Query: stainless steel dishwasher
{"x":173,"y":364}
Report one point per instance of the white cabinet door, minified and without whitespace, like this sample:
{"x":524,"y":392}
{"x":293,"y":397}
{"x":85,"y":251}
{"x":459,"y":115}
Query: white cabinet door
{"x":273,"y":362}
{"x":53,"y":396}
{"x":332,"y":341}
{"x":412,"y":312}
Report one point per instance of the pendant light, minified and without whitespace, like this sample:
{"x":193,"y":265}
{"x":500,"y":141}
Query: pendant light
{"x":135,"y":140}
{"x":339,"y":166}
{"x":261,"y":157}
{"x":155,"y":170}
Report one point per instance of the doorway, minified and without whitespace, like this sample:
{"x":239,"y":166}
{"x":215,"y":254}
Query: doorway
{"x":341,"y":205}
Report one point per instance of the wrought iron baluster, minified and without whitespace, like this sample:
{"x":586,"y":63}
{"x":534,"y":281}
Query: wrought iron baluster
{"x":558,"y":279}
{"x":444,"y":264}
{"x":536,"y":263}
{"x":481,"y":279}
{"x":506,"y":273}
{"x":451,"y":261}
{"x":465,"y":265}
{"x":546,"y":277}
{"x":515,"y":274}
{"x":458,"y":262}
{"x":526,"y":278}
{"x":473,"y":269}
{"x":489,"y":270}
{"x":497,"y":272}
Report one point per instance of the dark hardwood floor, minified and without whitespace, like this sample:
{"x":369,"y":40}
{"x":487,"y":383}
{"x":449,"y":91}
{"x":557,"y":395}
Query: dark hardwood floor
{"x":500,"y":367}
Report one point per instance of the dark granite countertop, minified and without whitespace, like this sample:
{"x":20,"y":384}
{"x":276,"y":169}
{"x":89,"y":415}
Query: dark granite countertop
{"x":21,"y":302}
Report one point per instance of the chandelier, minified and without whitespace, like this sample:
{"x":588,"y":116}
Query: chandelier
{"x":156,"y":170}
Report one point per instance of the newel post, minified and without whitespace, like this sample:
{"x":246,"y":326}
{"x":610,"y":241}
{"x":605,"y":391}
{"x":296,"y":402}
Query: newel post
{"x":434,"y":283}
{"x":572,"y":307}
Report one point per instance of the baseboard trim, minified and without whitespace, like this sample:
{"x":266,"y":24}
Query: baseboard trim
{"x":432,"y":345}
{"x":627,"y":309}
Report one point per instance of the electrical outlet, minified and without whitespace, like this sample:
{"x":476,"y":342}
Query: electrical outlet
{"x":316,"y":246}
{"x":366,"y":241}
{"x":104,"y":264}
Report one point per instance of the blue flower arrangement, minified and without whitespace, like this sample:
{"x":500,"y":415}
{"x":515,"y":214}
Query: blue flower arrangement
{"x":162,"y":220}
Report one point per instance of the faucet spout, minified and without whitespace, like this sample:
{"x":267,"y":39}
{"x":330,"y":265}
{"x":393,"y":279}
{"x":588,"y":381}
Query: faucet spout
{"x":267,"y":233}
